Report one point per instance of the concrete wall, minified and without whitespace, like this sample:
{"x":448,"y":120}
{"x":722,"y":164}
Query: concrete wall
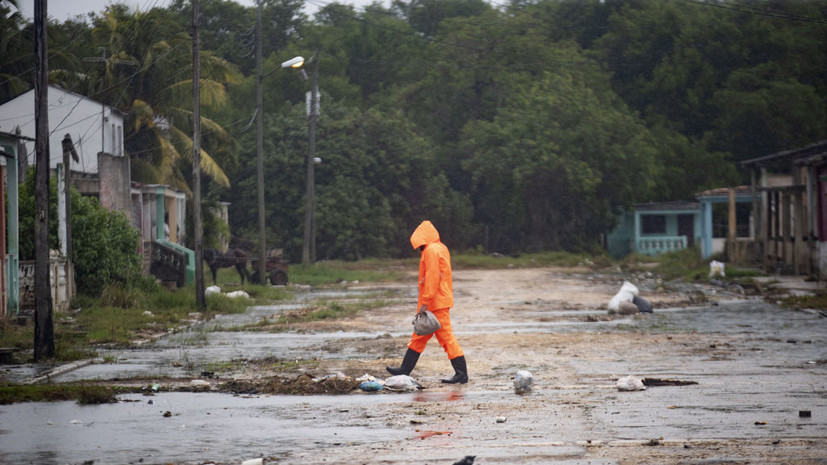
{"x":115,"y":184}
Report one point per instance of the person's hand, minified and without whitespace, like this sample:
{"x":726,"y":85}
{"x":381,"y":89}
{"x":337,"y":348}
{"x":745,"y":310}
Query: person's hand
{"x":422,"y":308}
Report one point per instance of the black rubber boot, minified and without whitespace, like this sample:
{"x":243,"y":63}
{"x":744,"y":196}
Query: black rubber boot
{"x":408,"y":363}
{"x":461,"y":375}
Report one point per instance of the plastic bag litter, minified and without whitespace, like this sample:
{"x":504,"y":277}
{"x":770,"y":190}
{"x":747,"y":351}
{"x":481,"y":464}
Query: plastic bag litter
{"x":523,"y":382}
{"x":212,"y":290}
{"x":630,"y":383}
{"x":370,"y":386}
{"x":401,"y":383}
{"x":716,"y":268}
{"x":626,"y":293}
{"x":338,"y":375}
{"x":643,"y":305}
{"x":235,"y":294}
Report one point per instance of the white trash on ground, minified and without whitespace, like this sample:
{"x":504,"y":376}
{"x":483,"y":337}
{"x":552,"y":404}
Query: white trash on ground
{"x":716,"y":268}
{"x":523,"y":382}
{"x":235,"y":294}
{"x":627,"y":292}
{"x":401,"y":383}
{"x":630,"y":383}
{"x":212,"y":290}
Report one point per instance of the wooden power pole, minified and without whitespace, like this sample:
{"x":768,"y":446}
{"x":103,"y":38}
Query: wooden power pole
{"x":196,"y":161}
{"x":44,"y":334}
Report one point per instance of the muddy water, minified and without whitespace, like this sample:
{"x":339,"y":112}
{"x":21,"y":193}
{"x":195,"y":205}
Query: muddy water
{"x":201,"y":426}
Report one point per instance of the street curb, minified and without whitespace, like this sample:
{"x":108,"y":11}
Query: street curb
{"x":57,"y":371}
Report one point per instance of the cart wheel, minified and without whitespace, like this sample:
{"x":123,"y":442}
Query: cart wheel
{"x":278,"y":278}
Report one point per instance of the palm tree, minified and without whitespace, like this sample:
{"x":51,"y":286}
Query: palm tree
{"x":145,"y":74}
{"x":16,"y":57}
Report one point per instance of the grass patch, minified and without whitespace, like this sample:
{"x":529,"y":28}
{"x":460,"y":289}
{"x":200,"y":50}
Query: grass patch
{"x":818,"y":301}
{"x":333,"y":272}
{"x":324,"y":311}
{"x":687,"y":264}
{"x":472,"y":260}
{"x":84,"y":394}
{"x":122,"y":314}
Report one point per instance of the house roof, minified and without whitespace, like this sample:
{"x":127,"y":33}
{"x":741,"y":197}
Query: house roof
{"x":724,"y":191}
{"x":16,"y":136}
{"x":677,"y":205}
{"x":817,"y":149}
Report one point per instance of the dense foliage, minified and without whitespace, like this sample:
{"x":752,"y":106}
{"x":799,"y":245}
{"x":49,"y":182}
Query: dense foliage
{"x":514,"y":126}
{"x":104,"y":244}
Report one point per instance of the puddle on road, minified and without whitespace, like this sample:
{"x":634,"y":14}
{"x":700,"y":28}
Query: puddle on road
{"x":202,"y":427}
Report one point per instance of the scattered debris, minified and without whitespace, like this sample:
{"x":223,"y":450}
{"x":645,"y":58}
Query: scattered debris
{"x":370,"y":386}
{"x":401,"y":383}
{"x":305,"y":384}
{"x":627,"y":308}
{"x":200,"y":384}
{"x":253,"y":462}
{"x":630,"y":383}
{"x":666,"y":382}
{"x":467,"y":460}
{"x":805,"y":414}
{"x":716,"y":268}
{"x":501,"y":419}
{"x":428,"y":434}
{"x":626,"y":293}
{"x":212,"y":290}
{"x":643,"y":305}
{"x":523,"y":382}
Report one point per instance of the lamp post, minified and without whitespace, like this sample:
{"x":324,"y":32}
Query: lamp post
{"x":295,"y":62}
{"x":309,"y":248}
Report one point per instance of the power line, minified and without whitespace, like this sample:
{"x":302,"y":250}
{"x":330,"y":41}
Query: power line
{"x":746,"y":9}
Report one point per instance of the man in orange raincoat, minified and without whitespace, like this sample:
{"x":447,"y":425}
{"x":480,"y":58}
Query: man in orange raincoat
{"x":435,"y":294}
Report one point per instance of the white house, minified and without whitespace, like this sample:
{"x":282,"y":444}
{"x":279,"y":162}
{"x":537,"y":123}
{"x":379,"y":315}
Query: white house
{"x":93,"y":126}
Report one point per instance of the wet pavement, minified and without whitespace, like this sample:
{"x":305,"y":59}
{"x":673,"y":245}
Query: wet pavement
{"x":761,"y":365}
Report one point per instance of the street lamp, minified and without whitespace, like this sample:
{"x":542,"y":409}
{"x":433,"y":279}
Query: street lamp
{"x":309,"y":248}
{"x":295,"y":62}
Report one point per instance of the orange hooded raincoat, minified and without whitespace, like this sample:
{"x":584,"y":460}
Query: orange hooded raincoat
{"x":435,"y":288}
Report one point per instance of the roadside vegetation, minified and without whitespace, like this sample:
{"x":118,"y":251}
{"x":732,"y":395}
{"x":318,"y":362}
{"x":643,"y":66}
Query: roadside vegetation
{"x":84,"y":394}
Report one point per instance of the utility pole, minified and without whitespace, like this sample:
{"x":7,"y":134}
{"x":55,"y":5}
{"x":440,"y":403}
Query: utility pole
{"x":262,"y":247}
{"x":309,"y":248}
{"x":44,"y":332}
{"x":200,"y":300}
{"x":69,"y":153}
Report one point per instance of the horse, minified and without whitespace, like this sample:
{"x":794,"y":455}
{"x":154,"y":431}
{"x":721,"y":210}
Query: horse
{"x":232,"y":257}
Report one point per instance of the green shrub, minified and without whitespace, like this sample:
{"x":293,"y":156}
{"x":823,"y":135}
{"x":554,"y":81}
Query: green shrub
{"x":104,"y":244}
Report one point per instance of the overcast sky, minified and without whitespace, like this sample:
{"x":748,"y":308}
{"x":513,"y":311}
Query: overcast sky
{"x":65,"y":9}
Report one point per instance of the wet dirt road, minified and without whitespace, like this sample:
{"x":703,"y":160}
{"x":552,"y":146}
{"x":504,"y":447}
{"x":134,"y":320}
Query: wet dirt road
{"x":756,"y":367}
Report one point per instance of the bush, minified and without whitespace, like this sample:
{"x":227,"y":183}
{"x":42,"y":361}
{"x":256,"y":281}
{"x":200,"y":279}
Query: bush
{"x":104,"y":244}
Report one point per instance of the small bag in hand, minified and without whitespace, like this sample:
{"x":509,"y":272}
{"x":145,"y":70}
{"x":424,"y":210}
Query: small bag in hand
{"x":425,"y":322}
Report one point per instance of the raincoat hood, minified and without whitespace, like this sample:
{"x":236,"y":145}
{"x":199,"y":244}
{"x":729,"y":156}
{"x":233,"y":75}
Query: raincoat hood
{"x":424,"y":234}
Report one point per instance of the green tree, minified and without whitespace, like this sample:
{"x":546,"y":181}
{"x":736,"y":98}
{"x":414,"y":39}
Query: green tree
{"x":147,"y":72}
{"x":104,"y":244}
{"x":16,"y":52}
{"x":555,"y":165}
